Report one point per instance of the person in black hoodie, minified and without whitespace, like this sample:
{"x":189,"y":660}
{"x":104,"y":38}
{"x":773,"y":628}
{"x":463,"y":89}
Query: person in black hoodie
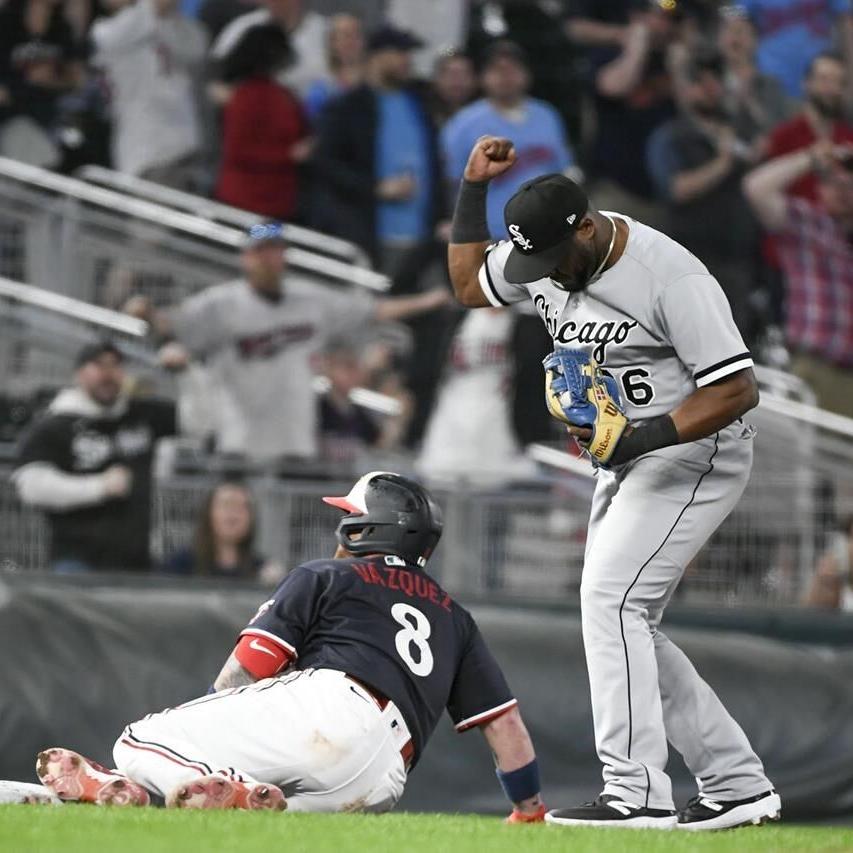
{"x":87,"y":463}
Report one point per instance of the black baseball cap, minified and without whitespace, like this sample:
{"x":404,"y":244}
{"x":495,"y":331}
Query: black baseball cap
{"x":93,"y":351}
{"x":390,"y":38}
{"x":542,"y":218}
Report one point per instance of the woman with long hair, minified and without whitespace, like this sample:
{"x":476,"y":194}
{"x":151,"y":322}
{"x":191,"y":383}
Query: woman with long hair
{"x":224,"y":540}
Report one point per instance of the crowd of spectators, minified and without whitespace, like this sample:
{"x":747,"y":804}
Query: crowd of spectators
{"x":355,"y":116}
{"x":728,"y":125}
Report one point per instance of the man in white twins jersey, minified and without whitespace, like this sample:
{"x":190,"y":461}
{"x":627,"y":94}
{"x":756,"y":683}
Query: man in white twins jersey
{"x":652,"y":316}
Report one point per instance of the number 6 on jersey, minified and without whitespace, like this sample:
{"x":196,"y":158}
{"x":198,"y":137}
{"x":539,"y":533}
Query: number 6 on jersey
{"x":416,"y":631}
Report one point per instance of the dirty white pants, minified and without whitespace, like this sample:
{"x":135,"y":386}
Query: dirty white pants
{"x":316,"y":734}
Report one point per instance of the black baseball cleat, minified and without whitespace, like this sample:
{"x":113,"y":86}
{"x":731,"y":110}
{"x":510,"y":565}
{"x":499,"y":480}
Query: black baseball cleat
{"x":704,"y":813}
{"x":609,"y":810}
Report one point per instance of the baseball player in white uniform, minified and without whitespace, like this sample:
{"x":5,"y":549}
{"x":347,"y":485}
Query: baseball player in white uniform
{"x":649,"y":313}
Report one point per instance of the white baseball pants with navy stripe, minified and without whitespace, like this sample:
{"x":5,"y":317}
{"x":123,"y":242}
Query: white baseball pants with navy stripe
{"x":647,"y":523}
{"x":316,"y":734}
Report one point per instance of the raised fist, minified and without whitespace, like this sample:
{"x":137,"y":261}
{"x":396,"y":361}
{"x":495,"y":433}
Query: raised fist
{"x":491,"y":156}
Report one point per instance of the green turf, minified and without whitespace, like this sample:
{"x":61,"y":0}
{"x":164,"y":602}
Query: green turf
{"x":87,"y":829}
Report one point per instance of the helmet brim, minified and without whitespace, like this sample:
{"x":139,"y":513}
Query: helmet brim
{"x":344,"y":504}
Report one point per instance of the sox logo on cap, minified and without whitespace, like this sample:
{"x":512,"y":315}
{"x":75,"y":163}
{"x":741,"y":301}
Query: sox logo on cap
{"x":520,"y":239}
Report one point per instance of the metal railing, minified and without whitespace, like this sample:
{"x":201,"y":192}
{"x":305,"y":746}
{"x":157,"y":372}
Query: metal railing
{"x":529,"y":543}
{"x":66,"y":236}
{"x":205,"y":208}
{"x":519,"y":543}
{"x":41,"y":333}
{"x":45,"y":216}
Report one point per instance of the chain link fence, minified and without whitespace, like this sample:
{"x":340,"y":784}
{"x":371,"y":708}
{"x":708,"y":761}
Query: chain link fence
{"x":520,"y":543}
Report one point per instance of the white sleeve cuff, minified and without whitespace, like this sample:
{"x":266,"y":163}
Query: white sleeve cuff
{"x":487,"y":284}
{"x":485,"y":716}
{"x":722,"y":369}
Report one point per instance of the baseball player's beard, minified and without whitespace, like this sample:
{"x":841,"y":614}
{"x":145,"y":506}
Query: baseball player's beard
{"x":267,"y":285}
{"x":577,"y":281}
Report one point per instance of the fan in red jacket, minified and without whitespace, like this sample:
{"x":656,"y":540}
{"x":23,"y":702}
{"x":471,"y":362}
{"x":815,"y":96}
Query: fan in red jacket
{"x":264,"y":128}
{"x":822,"y":117}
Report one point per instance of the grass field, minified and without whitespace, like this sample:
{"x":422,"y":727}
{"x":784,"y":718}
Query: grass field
{"x":82,"y":829}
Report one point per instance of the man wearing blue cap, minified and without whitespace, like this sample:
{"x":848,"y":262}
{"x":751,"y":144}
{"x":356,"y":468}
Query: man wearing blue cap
{"x":258,"y":337}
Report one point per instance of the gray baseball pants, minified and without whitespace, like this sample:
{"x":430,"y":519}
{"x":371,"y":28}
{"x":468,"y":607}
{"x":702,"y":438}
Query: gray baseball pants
{"x":647,"y":522}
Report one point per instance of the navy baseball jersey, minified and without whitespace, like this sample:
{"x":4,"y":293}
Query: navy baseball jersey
{"x":388,"y":624}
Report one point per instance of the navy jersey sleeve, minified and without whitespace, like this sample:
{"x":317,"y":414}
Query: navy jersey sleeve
{"x":479,"y":692}
{"x":287,"y":617}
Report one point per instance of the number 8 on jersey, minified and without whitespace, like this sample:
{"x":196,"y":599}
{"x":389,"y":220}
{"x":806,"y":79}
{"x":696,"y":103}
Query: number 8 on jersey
{"x":416,"y":631}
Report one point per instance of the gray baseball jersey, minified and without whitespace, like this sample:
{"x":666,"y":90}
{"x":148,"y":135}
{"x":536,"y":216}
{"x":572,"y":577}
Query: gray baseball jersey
{"x":659,"y":322}
{"x":260,"y":354}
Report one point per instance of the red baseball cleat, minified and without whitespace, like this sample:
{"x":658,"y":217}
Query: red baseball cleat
{"x":72,"y":777}
{"x":527,"y":817}
{"x":217,"y":792}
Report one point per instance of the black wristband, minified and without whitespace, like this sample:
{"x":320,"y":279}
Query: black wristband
{"x":469,"y":218}
{"x":652,"y":435}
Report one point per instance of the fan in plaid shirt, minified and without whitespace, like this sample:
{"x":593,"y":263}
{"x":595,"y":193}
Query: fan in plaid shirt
{"x":816,"y":252}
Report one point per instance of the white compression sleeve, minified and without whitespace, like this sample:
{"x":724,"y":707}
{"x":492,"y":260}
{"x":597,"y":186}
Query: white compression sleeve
{"x":45,"y":486}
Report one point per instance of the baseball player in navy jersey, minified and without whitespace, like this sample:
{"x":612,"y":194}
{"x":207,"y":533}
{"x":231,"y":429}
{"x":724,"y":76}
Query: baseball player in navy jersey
{"x":672,"y":458}
{"x":333,"y":689}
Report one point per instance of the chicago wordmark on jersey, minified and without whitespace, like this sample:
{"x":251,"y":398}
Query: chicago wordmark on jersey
{"x":657,"y":320}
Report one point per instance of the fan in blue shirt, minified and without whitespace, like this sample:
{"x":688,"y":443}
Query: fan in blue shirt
{"x":792,"y":32}
{"x":534,"y":126}
{"x":402,"y":148}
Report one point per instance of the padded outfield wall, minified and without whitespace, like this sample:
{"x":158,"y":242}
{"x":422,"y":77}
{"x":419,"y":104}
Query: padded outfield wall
{"x":79,"y":659}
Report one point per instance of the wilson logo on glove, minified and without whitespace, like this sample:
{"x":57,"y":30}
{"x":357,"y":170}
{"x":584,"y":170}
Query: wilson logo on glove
{"x":579,"y":394}
{"x":600,"y":449}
